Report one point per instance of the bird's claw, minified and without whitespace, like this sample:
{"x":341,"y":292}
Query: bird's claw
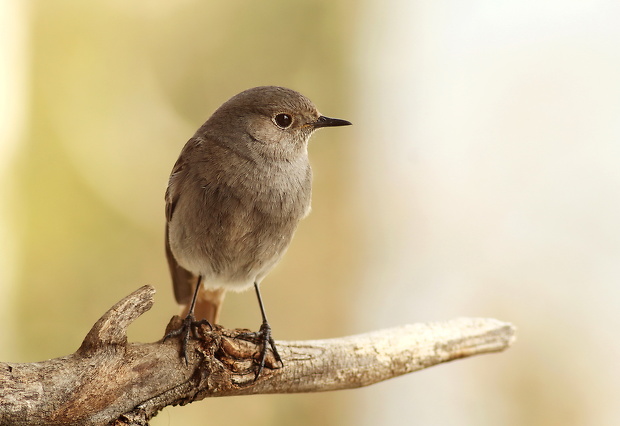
{"x":262,"y":338}
{"x":188,"y":327}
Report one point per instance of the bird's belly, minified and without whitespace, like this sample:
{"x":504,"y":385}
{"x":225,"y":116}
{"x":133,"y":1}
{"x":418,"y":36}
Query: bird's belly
{"x":233,"y":254}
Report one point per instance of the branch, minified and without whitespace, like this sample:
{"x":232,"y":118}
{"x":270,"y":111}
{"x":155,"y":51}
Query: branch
{"x":110,"y":381}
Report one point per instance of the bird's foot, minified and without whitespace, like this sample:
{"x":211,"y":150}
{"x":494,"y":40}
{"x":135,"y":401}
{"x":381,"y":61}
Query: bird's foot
{"x":188,"y":327}
{"x":262,"y":338}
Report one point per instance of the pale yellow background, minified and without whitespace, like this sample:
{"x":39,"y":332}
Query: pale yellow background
{"x":481,"y":178}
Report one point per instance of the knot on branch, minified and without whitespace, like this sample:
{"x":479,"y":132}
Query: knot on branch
{"x":222,"y":360}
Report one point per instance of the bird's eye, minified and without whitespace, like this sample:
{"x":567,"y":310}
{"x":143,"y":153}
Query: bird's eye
{"x":283,"y":121}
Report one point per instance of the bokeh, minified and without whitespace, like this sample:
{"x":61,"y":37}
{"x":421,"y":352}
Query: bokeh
{"x":480,"y":178}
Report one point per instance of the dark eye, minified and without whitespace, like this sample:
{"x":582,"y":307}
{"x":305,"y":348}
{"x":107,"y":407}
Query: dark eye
{"x":283,"y":121}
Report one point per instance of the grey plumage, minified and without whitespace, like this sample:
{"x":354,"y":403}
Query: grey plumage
{"x":237,"y":192}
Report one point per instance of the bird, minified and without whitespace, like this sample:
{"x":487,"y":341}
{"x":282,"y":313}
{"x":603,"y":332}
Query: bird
{"x":234,"y":199}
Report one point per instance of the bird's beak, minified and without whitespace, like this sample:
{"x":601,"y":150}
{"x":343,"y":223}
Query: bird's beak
{"x":323,"y":121}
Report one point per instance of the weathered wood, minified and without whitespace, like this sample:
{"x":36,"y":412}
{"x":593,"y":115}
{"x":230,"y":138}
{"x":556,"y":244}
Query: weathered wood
{"x":110,"y":380}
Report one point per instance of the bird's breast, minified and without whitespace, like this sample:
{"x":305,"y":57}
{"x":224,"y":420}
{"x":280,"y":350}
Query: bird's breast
{"x":242,"y":221}
{"x":279,"y":191}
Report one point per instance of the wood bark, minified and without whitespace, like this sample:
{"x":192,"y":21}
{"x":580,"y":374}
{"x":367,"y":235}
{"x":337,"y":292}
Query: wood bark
{"x":111,"y":381}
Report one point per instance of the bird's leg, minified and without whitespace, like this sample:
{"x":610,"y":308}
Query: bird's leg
{"x":263,"y":336}
{"x":189,"y":324}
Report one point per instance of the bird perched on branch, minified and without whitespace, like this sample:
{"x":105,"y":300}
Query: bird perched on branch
{"x":235,"y":196}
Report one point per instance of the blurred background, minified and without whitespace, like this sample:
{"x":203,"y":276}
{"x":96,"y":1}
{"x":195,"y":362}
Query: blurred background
{"x":481,"y":178}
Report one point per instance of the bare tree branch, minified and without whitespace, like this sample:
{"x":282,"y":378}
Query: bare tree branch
{"x":110,"y":381}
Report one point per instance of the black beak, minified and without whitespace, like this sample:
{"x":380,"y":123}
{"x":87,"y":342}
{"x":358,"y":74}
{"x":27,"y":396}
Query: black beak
{"x":323,"y":121}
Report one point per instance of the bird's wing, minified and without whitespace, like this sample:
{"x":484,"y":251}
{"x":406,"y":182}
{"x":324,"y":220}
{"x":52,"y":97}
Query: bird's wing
{"x":183,"y":281}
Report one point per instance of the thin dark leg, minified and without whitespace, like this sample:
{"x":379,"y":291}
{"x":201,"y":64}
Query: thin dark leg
{"x":263,"y":335}
{"x":189,"y":323}
{"x":193,"y":304}
{"x":260,"y":303}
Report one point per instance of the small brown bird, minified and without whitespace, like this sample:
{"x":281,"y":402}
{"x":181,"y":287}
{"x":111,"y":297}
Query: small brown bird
{"x":235,"y":196}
